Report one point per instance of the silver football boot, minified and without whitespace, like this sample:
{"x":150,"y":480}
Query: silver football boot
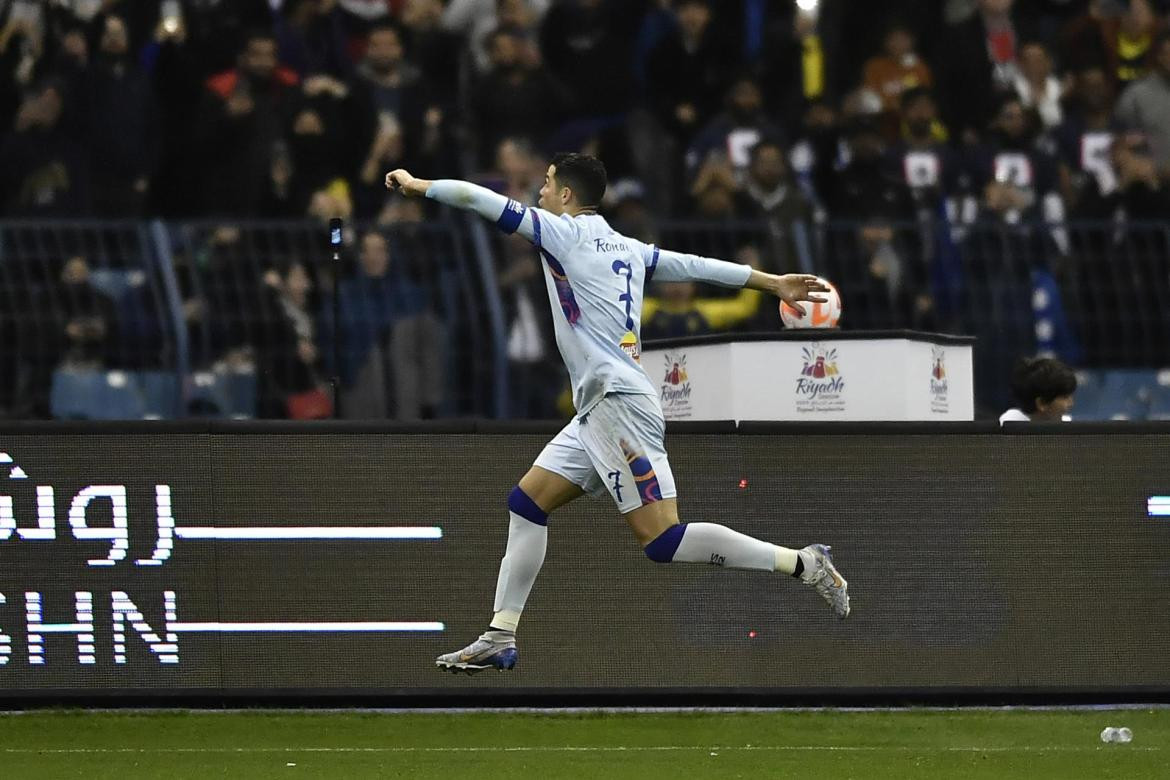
{"x":826,"y":580}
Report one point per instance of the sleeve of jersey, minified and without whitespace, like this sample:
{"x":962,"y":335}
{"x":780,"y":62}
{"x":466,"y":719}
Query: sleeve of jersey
{"x":506,"y":213}
{"x":670,"y":266}
{"x":548,"y":232}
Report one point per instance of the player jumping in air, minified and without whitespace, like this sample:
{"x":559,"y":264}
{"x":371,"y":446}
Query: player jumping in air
{"x":595,"y":278}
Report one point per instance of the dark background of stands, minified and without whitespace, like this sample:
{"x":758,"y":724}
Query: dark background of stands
{"x":988,"y":167}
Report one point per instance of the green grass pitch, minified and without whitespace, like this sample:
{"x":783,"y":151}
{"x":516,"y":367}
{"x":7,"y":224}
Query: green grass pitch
{"x":828,"y":744}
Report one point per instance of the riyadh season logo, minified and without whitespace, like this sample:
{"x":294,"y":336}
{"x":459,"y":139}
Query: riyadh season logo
{"x":675,"y":388}
{"x":820,"y":385}
{"x":938,"y":380}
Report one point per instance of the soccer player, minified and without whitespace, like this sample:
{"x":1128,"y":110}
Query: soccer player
{"x":595,"y":279}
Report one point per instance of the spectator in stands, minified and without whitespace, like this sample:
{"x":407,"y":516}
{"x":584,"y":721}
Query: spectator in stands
{"x":686,"y":72}
{"x":979,"y":62}
{"x":1143,"y":193}
{"x":1145,"y":106}
{"x":43,"y":170}
{"x":730,"y":136}
{"x":1044,"y":390}
{"x":1115,"y":35}
{"x":518,"y":171}
{"x":171,"y":57}
{"x":88,"y":323}
{"x":311,"y":38}
{"x":73,"y":53}
{"x":534,"y":378}
{"x":922,"y":160}
{"x":675,"y":310}
{"x":226,"y":294}
{"x":430,"y":47}
{"x":212,"y":31}
{"x":515,"y":98}
{"x":587,"y":45}
{"x":628,"y":212}
{"x":874,"y":252}
{"x":366,"y":11}
{"x":390,"y":80}
{"x":396,"y":90}
{"x":1016,"y":179}
{"x":896,"y":70}
{"x":1084,"y":143}
{"x":1036,"y":85}
{"x":475,"y":20}
{"x":386,"y":153}
{"x":713,"y":190}
{"x":244,"y":114}
{"x":327,"y":127}
{"x":769,"y":193}
{"x":793,"y":62}
{"x":864,"y":188}
{"x":818,"y":141}
{"x":1136,"y":34}
{"x":120,"y":126}
{"x":287,"y":359}
{"x":392,"y":343}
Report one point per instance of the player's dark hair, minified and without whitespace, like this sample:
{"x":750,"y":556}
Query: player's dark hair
{"x":1043,"y":378}
{"x":584,"y":174}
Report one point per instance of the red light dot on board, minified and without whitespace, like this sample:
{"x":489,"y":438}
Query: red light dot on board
{"x":742,"y":483}
{"x":751,"y":635}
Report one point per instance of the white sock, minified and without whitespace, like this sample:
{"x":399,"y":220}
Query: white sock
{"x":522,"y":560}
{"x":718,"y":544}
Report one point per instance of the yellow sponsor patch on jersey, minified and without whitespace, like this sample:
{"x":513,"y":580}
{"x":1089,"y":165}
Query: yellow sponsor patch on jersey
{"x":629,"y":345}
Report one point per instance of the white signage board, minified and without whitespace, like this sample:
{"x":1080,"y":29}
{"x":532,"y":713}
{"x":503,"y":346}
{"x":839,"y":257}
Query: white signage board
{"x":848,"y":379}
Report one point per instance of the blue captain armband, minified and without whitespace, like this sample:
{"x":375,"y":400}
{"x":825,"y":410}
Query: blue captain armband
{"x":513,"y":215}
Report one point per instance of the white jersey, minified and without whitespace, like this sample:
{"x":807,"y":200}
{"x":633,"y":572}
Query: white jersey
{"x":1018,"y":415}
{"x":595,"y":279}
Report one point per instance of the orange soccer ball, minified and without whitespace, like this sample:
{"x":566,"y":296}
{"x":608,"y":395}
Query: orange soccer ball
{"x":816,"y":315}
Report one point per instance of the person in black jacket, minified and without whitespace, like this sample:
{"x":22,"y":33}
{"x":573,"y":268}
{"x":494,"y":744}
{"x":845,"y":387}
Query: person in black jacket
{"x":686,"y":71}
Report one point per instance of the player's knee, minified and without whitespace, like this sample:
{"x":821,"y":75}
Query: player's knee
{"x":520,"y":503}
{"x":662,"y":548}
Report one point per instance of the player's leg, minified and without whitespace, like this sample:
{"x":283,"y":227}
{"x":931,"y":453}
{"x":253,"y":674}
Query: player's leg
{"x":665,"y":540}
{"x":562,"y":473}
{"x":651,"y":510}
{"x":539,"y":493}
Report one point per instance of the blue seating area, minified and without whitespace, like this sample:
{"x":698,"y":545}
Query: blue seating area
{"x":1123,"y":394}
{"x":150,"y":395}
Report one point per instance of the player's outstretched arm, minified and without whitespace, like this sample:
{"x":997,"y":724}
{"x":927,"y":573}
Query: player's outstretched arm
{"x":493,"y":206}
{"x":670,"y":266}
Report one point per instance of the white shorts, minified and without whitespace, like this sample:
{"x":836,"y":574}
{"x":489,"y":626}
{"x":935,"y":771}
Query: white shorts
{"x":616,"y":448}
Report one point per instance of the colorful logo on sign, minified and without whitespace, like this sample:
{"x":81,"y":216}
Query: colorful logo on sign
{"x":820,"y":363}
{"x":676,"y":371}
{"x":820,"y":386}
{"x":938,"y":380}
{"x":675,"y":389}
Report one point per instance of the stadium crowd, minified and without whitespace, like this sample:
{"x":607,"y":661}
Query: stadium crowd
{"x":879,"y":115}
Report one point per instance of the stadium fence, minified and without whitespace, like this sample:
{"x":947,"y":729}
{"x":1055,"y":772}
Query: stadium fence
{"x":128,"y":320}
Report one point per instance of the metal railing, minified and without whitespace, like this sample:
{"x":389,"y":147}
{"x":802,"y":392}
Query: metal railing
{"x":179,"y":319}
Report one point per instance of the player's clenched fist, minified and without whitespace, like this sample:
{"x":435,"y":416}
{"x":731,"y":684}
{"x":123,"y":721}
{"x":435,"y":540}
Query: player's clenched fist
{"x":400,"y":180}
